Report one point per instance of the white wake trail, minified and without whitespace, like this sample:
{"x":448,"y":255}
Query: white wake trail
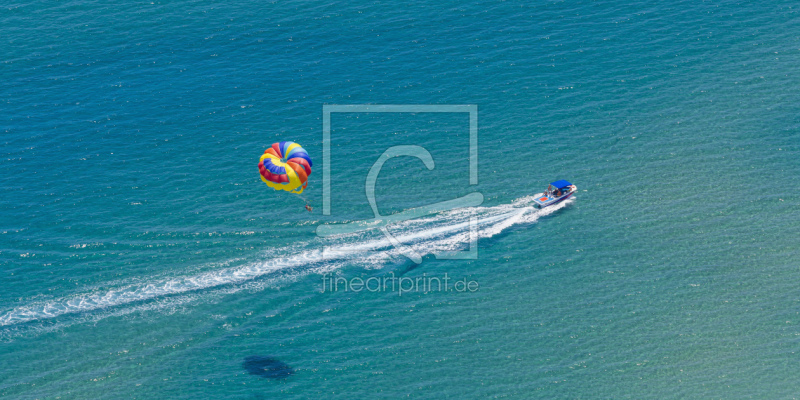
{"x":445,"y":231}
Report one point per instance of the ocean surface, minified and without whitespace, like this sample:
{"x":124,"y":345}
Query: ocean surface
{"x":142,"y":257}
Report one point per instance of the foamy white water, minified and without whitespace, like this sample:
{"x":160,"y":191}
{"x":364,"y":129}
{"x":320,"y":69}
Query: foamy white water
{"x":446,"y":231}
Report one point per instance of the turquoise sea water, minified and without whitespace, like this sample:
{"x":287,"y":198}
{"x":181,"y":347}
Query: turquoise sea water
{"x":142,"y":257}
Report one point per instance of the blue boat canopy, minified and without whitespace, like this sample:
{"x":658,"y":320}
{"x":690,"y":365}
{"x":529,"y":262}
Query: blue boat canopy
{"x":561,"y":184}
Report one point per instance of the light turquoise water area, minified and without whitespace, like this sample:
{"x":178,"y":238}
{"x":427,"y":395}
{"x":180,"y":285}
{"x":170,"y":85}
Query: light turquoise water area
{"x":142,"y":257}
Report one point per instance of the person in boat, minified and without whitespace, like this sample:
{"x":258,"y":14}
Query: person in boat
{"x":557,"y":193}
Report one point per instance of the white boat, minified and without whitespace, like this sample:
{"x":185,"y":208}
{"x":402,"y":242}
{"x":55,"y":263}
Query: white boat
{"x":556,"y":192}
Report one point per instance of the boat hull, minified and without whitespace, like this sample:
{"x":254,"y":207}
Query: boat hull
{"x":542,"y":200}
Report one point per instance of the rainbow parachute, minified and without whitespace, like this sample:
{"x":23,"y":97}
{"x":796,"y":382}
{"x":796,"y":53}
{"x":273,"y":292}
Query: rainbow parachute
{"x":285,"y":166}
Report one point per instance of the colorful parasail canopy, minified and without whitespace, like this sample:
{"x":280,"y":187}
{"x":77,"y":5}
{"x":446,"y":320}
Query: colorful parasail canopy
{"x":285,"y":166}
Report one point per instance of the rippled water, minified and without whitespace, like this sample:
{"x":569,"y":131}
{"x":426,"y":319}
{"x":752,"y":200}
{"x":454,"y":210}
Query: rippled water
{"x":141,"y":256}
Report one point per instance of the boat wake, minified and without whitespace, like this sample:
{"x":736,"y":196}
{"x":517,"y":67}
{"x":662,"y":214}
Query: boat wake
{"x":439,"y":233}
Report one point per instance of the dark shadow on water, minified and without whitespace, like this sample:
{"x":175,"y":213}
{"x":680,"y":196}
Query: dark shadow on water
{"x":267,"y":367}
